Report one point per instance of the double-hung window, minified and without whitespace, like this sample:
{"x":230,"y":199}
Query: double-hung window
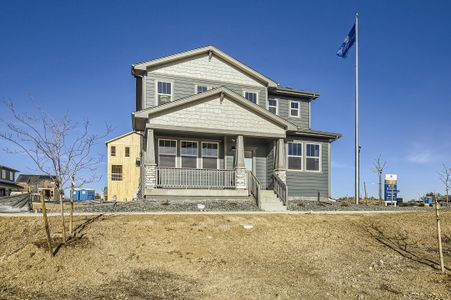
{"x":127,"y":151}
{"x":210,"y":153}
{"x":11,"y":175}
{"x":295,"y":155}
{"x":295,"y":109}
{"x":272,"y":106}
{"x":3,"y":174}
{"x":188,"y":152}
{"x":312,"y":157}
{"x":113,"y":150}
{"x":201,"y":89}
{"x":164,"y":92}
{"x":116,"y":172}
{"x":251,"y":96}
{"x":167,"y":153}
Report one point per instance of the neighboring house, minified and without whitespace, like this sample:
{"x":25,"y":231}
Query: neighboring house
{"x":123,"y":166}
{"x":7,"y":181}
{"x":213,"y":126}
{"x":44,"y":184}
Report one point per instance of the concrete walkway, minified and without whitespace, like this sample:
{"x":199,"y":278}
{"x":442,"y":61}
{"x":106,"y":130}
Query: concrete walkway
{"x":213,"y":213}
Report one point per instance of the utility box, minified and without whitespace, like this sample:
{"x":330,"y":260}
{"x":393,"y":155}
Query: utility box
{"x":84,"y":194}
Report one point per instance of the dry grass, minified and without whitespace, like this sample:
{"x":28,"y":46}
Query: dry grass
{"x":213,"y":256}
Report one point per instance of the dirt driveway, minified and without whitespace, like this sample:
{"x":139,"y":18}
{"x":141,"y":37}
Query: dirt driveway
{"x":214,"y":257}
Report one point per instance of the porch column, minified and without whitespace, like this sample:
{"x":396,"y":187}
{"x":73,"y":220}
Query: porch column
{"x":150,"y":166}
{"x":280,"y":168}
{"x":240,"y":169}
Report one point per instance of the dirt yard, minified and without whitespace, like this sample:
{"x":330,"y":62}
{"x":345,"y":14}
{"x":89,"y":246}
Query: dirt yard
{"x":302,"y":256}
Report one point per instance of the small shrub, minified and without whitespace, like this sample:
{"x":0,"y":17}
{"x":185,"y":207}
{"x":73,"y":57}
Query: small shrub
{"x":165,"y":202}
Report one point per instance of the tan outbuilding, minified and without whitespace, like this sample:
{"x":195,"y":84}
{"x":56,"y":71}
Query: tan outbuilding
{"x":123,"y":166}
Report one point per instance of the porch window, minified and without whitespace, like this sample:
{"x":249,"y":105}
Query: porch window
{"x":188,"y":152}
{"x":251,"y":96}
{"x":295,"y":155}
{"x":312,"y":155}
{"x":210,"y":155}
{"x":164,"y":92}
{"x":201,"y":89}
{"x":167,"y":152}
{"x":116,"y":172}
{"x":294,"y":109}
{"x":272,"y":106}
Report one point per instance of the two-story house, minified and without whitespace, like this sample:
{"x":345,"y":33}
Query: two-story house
{"x":213,"y":126}
{"x":7,"y":181}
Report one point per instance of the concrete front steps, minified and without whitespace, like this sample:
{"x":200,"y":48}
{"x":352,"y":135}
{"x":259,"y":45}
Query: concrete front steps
{"x":270,"y":202}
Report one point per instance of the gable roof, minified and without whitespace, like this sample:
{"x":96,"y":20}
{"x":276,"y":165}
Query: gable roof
{"x":144,"y":114}
{"x":121,"y":136}
{"x":204,"y":50}
{"x":30,"y":178}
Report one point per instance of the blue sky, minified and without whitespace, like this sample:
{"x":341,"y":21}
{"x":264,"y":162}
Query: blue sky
{"x":75,"y":56}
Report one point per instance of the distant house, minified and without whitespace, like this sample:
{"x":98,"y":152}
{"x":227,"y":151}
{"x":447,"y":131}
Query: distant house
{"x":123,"y":166}
{"x":44,"y":184}
{"x":7,"y":181}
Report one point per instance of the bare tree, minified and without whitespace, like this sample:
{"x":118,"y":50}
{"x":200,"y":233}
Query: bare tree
{"x":379,"y":167}
{"x":445,"y":178}
{"x":58,"y":147}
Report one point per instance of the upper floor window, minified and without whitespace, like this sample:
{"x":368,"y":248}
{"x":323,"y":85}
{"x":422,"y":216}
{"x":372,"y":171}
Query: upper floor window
{"x":188,"y":152}
{"x":295,"y":109}
{"x":251,"y":96}
{"x":127,"y":151}
{"x":295,"y":155}
{"x":210,"y":153}
{"x":113,"y":150}
{"x":312,"y":157}
{"x":3,"y":174}
{"x":201,"y":88}
{"x":167,"y":153}
{"x":164,"y":92}
{"x":116,"y":172}
{"x":272,"y":106}
{"x":11,"y":175}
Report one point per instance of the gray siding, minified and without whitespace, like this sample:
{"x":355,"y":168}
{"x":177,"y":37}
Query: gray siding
{"x":306,"y":185}
{"x":184,"y":87}
{"x":261,"y":149}
{"x":284,"y":105}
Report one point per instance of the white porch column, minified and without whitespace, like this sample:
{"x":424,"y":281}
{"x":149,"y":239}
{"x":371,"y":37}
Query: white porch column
{"x":150,"y":166}
{"x":280,"y":168}
{"x":240,"y":169}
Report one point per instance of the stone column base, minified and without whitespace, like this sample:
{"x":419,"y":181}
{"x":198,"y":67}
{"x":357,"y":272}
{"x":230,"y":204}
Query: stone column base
{"x":282,"y":174}
{"x":240,"y":179}
{"x":150,"y":176}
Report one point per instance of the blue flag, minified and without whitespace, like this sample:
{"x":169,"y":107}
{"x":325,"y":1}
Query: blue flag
{"x":347,"y":43}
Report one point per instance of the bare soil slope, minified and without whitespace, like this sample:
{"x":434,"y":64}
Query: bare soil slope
{"x":215,"y":257}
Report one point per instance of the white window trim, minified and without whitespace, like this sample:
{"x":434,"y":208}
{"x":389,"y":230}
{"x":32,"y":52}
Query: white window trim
{"x":302,"y":156}
{"x":156,"y":89}
{"x":277,"y":105}
{"x":202,"y":156}
{"x":3,"y":174}
{"x":196,"y":85}
{"x":189,"y":155}
{"x":251,"y":91}
{"x":299,"y":109}
{"x":176,"y":163}
{"x":320,"y":164}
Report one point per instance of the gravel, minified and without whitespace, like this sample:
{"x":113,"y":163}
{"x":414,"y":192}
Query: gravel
{"x":299,"y":205}
{"x":170,"y":205}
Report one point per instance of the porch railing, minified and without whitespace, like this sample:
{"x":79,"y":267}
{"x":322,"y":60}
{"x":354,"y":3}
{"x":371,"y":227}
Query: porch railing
{"x":281,"y":190}
{"x":254,"y":187}
{"x":195,"y":178}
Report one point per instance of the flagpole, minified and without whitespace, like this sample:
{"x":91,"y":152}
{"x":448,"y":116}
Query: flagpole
{"x":357,"y":150}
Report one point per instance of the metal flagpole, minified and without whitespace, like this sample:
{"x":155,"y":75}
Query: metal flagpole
{"x":357,"y":151}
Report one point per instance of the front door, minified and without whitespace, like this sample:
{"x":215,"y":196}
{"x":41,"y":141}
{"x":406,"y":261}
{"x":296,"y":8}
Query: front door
{"x":249,"y":160}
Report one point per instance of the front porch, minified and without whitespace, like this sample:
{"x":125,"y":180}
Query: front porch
{"x":189,"y":165}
